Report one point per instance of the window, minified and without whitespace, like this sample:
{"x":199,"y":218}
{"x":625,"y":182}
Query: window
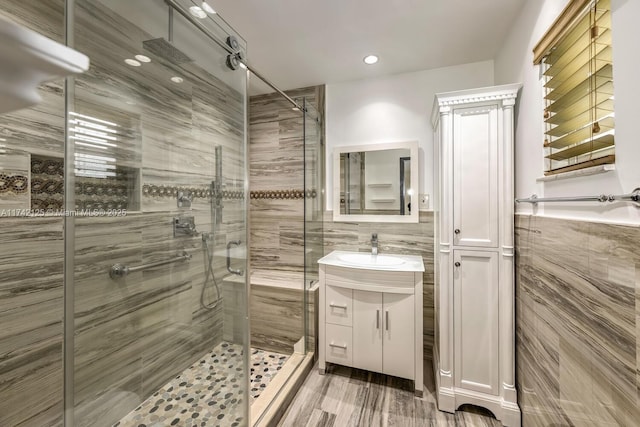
{"x":576,"y":60}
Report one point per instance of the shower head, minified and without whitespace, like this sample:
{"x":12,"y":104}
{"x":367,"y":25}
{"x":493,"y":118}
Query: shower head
{"x":166,"y":50}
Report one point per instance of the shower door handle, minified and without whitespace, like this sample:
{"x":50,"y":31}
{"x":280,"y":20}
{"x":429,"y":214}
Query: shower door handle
{"x":229,"y":269}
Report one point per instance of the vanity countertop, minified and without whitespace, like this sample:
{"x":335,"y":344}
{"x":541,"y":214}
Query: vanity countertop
{"x":367,"y":261}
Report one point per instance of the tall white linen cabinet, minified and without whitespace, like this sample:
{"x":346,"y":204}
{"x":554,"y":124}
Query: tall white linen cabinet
{"x":474,"y":351}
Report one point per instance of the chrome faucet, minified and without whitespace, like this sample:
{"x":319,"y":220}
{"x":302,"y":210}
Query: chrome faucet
{"x":374,"y":244}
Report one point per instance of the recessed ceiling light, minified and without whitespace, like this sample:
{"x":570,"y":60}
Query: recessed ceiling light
{"x":370,"y":59}
{"x":198,"y":12}
{"x":132,"y":62}
{"x":207,"y":8}
{"x":177,"y":79}
{"x":143,"y":58}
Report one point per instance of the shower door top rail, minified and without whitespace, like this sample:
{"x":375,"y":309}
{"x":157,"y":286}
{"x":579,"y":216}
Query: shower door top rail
{"x":120,"y":270}
{"x":603,"y":198}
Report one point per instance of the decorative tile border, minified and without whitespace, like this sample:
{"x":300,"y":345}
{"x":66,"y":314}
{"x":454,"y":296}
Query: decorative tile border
{"x":14,"y":183}
{"x":151,"y":190}
{"x":284,"y":194}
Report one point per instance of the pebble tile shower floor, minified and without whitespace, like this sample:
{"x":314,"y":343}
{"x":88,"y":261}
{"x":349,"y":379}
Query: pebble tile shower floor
{"x":209,"y":392}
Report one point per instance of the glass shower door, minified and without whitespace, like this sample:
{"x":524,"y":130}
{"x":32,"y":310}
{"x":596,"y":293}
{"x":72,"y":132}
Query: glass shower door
{"x":156,"y":249}
{"x":313,"y":213}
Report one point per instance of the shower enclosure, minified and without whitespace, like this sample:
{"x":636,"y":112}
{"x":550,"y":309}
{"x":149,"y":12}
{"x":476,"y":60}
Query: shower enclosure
{"x":126,"y":289}
{"x":124,"y":225}
{"x":156,"y":128}
{"x":286,"y":152}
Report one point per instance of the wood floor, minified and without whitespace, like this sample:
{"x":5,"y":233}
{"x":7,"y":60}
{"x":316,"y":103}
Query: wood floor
{"x":346,"y":397}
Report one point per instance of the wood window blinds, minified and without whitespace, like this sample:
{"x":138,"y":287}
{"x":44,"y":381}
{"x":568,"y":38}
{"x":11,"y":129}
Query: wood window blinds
{"x":576,"y":59}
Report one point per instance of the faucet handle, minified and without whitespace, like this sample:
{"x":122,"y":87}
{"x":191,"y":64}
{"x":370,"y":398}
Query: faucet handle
{"x":374,"y":236}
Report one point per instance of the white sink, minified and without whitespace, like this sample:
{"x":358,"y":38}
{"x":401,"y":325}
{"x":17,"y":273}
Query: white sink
{"x":365,"y":260}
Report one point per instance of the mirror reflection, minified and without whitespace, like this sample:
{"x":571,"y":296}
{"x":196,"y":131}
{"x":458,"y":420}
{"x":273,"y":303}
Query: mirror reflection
{"x":376,"y":182}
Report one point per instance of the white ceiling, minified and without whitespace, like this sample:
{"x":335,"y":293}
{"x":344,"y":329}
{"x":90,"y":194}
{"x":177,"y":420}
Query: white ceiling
{"x":298,"y":43}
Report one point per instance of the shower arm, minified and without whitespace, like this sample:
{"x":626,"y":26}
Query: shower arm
{"x":174,"y":5}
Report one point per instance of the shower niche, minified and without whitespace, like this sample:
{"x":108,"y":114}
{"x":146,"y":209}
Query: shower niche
{"x":97,"y":188}
{"x":34,"y":184}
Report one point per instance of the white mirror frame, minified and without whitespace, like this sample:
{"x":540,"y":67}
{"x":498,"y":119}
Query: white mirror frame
{"x":412,"y":146}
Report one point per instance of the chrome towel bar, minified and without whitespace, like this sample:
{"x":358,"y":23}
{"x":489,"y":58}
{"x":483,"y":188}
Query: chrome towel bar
{"x":120,"y":270}
{"x":603,"y":198}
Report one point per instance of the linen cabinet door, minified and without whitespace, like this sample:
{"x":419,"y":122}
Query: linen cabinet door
{"x":367,"y":330}
{"x":399,"y":340}
{"x":475,"y":177}
{"x":475,"y":295}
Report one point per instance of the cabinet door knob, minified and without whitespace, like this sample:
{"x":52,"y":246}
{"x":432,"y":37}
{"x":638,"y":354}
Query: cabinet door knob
{"x":457,"y":264}
{"x":457,"y":231}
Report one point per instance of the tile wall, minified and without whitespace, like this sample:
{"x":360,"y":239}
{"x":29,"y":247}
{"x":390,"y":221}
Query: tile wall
{"x":577,"y":322}
{"x":277,"y":174}
{"x":31,"y":288}
{"x":277,"y":215}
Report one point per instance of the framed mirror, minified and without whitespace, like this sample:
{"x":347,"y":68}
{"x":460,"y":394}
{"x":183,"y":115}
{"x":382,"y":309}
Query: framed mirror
{"x":376,"y":183}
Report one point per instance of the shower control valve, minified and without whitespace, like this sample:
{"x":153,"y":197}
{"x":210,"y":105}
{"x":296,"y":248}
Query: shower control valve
{"x":184,"y":226}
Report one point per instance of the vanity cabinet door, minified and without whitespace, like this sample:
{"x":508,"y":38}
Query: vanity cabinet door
{"x":367,"y":330}
{"x":475,"y":287}
{"x":398,"y":328}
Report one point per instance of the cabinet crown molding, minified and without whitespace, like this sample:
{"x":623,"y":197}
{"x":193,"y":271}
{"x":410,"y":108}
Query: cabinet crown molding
{"x":494,"y":93}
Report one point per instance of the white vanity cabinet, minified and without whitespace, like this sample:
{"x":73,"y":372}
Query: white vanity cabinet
{"x":474,"y":345}
{"x":383,"y":330}
{"x":370,"y":314}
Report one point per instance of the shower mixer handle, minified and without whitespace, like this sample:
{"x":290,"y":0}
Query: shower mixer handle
{"x":229,"y":269}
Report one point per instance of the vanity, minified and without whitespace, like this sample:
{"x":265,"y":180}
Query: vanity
{"x":370,"y":313}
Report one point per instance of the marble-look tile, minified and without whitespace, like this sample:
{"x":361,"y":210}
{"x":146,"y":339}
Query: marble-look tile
{"x":39,"y":129}
{"x":577,"y":322}
{"x":276,"y":317}
{"x":277,"y":162}
{"x":352,"y":397}
{"x":31,"y":290}
{"x":31,"y":313}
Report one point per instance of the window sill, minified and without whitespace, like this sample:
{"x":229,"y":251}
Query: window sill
{"x":595,"y":170}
